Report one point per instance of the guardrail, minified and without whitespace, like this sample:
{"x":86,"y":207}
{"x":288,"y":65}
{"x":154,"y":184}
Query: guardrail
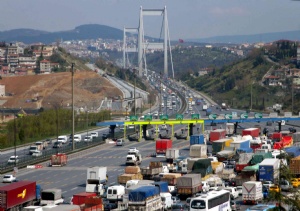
{"x":23,"y":162}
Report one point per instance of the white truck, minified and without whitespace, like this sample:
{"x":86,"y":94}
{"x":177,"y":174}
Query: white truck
{"x":133,"y":158}
{"x":51,"y":197}
{"x":252,"y":192}
{"x":96,"y":179}
{"x":172,"y":154}
{"x":204,"y":107}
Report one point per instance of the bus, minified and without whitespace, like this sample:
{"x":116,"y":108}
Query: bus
{"x":212,"y":201}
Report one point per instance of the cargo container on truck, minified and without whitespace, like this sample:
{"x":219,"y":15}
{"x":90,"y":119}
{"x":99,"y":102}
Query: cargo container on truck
{"x":172,"y":154}
{"x":217,"y":134}
{"x":59,"y":159}
{"x":124,"y":178}
{"x":152,"y":170}
{"x":96,"y":178}
{"x":189,"y":184}
{"x":293,"y":151}
{"x":269,"y":169}
{"x":244,"y":160}
{"x":52,"y":197}
{"x":252,"y":192}
{"x":295,"y":166}
{"x":170,"y":178}
{"x":226,"y":154}
{"x":203,"y":167}
{"x":197,"y":139}
{"x":219,"y":145}
{"x":259,"y":157}
{"x":79,"y":198}
{"x":144,"y":198}
{"x":161,"y":147}
{"x":198,"y":151}
{"x":20,"y":194}
{"x":204,"y":107}
{"x":240,"y":143}
{"x":254,"y":132}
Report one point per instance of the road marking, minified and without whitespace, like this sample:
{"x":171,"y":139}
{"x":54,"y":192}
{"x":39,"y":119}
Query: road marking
{"x":74,"y":188}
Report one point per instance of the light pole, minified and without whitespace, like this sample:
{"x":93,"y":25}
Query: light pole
{"x":15,"y":139}
{"x":73,"y":115}
{"x":251,"y":97}
{"x":134,"y":91}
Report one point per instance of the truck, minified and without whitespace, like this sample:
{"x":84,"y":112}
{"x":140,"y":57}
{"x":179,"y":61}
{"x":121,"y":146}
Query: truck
{"x":244,"y":160}
{"x":79,"y":198}
{"x":252,"y":192}
{"x":20,"y":194}
{"x":124,"y":178}
{"x":197,"y":139}
{"x":133,"y":158}
{"x":170,"y":178}
{"x":203,"y":167}
{"x":144,"y":198}
{"x":179,"y":165}
{"x":172,"y":154}
{"x":229,"y":129}
{"x":217,"y":134}
{"x":42,"y":144}
{"x":189,"y":184}
{"x":34,"y":148}
{"x":223,"y":106}
{"x":240,"y":143}
{"x":269,"y":169}
{"x":259,"y":157}
{"x":51,"y":197}
{"x":161,"y":147}
{"x":198,"y":102}
{"x":219,"y":145}
{"x":208,"y":111}
{"x":204,"y":107}
{"x":254,"y":132}
{"x":152,"y":170}
{"x":198,"y":151}
{"x":295,"y":166}
{"x":193,"y":103}
{"x":226,"y":154}
{"x":96,"y":179}
{"x":59,"y":159}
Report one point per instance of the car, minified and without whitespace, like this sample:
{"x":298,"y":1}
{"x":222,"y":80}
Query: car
{"x":292,"y":130}
{"x":261,"y":207}
{"x":192,"y":112}
{"x":295,"y":182}
{"x":274,"y":188}
{"x":13,"y":159}
{"x":175,"y":199}
{"x":234,"y":206}
{"x":120,"y":142}
{"x":57,"y":144}
{"x":179,"y":207}
{"x":239,"y":190}
{"x":133,"y":149}
{"x":37,"y":153}
{"x":94,"y":134}
{"x":267,"y":184}
{"x":88,"y":138}
{"x":8,"y":178}
{"x":233,"y":192}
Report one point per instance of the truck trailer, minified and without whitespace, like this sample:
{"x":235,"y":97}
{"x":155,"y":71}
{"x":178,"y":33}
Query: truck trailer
{"x":162,"y":146}
{"x":252,"y":192}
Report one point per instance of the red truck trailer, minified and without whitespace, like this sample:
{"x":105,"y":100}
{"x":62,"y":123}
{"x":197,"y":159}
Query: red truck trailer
{"x":254,"y":132}
{"x":217,"y":134}
{"x":17,"y":195}
{"x":162,"y":145}
{"x":59,"y":159}
{"x":79,"y":198}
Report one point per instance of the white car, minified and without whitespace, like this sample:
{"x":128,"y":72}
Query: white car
{"x":233,"y":192}
{"x":94,"y":134}
{"x":163,"y":127}
{"x":37,"y":153}
{"x":8,"y":178}
{"x":13,"y":159}
{"x":88,"y":138}
{"x":133,"y":149}
{"x":239,"y":190}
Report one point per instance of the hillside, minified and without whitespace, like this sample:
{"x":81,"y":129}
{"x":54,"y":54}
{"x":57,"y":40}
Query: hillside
{"x":35,"y":91}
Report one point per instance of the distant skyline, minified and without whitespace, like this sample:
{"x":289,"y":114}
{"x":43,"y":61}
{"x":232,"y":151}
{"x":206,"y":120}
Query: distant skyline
{"x":188,"y":19}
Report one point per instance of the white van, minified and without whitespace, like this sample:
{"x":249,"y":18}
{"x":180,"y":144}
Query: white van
{"x":77,"y":138}
{"x":115,"y":193}
{"x":94,"y":134}
{"x":167,"y":200}
{"x":62,"y":139}
{"x":233,"y":192}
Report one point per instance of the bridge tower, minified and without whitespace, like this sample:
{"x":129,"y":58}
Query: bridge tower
{"x":125,"y":48}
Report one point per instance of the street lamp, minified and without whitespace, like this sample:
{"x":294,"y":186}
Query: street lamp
{"x":73,"y":115}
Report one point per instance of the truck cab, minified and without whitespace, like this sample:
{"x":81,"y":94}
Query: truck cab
{"x":133,"y":158}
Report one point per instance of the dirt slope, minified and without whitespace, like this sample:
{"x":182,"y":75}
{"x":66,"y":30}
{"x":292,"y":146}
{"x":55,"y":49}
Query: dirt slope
{"x":35,"y":91}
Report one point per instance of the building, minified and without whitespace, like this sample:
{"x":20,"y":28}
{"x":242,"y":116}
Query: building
{"x":45,"y":66}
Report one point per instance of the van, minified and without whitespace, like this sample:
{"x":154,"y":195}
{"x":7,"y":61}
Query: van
{"x":205,"y":186}
{"x":94,"y":134}
{"x":233,"y":192}
{"x":167,"y":201}
{"x":62,"y":139}
{"x":115,"y":192}
{"x":120,"y":142}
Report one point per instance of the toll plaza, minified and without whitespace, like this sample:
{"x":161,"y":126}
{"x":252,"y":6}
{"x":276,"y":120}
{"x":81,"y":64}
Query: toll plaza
{"x":140,"y":126}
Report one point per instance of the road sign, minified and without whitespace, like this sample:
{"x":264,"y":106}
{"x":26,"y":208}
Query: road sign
{"x":274,"y":114}
{"x":134,"y":118}
{"x":164,"y":117}
{"x":234,"y":114}
{"x":258,"y":115}
{"x":288,"y":114}
{"x":212,"y":116}
{"x":179,"y":117}
{"x":244,"y":116}
{"x":148,"y":117}
{"x":195,"y":116}
{"x":228,"y":116}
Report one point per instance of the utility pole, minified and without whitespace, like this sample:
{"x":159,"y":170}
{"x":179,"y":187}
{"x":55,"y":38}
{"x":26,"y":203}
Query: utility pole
{"x":134,"y":91}
{"x":73,"y":118}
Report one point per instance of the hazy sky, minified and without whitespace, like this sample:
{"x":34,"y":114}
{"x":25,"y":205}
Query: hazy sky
{"x":187,"y":18}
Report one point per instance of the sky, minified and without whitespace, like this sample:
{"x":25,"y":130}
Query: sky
{"x":187,"y":19}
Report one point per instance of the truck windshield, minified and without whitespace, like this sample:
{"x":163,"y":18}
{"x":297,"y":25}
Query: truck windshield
{"x":198,"y":204}
{"x":32,"y":148}
{"x":48,"y":196}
